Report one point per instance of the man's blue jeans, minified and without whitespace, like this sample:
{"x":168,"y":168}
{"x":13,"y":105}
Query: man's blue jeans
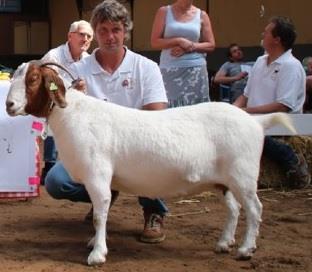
{"x":49,"y":156}
{"x":60,"y":186}
{"x":50,"y":152}
{"x":279,"y":152}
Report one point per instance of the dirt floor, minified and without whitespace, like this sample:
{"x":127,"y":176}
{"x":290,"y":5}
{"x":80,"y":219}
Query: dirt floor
{"x":48,"y":235}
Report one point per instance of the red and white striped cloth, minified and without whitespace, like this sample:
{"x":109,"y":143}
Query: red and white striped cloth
{"x":35,"y":181}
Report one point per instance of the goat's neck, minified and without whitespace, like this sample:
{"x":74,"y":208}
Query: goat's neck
{"x":55,"y":120}
{"x":59,"y":118}
{"x":45,"y":130}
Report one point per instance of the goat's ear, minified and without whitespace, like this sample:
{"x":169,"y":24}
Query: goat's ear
{"x":54,"y":86}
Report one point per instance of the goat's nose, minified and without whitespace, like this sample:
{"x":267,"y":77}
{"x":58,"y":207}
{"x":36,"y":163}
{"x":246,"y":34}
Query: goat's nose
{"x":9,"y":104}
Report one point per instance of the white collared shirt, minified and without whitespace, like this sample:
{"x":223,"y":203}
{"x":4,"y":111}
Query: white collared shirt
{"x":136,"y":82}
{"x":281,"y":81}
{"x":61,"y":55}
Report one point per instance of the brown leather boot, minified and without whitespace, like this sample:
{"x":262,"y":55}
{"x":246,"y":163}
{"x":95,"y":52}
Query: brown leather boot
{"x":152,"y":232}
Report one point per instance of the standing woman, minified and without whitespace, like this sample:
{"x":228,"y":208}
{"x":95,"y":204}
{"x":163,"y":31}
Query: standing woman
{"x":184,"y":35}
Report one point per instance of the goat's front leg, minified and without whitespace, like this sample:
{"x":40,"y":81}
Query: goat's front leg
{"x":100,"y":194}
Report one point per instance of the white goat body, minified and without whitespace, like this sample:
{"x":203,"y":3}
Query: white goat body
{"x":158,"y":154}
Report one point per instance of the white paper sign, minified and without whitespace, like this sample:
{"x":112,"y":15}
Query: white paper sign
{"x":17,"y":149}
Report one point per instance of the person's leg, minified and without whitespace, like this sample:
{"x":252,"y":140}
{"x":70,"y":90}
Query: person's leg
{"x":307,"y":107}
{"x":154,"y":212}
{"x":296,"y":168}
{"x":279,"y":152}
{"x":153,"y":206}
{"x":59,"y":185}
{"x":49,"y":156}
{"x":50,"y":152}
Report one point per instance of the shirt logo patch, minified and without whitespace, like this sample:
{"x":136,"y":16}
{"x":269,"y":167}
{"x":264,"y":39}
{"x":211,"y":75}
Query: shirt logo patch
{"x":128,"y":83}
{"x":125,"y":83}
{"x":274,"y":74}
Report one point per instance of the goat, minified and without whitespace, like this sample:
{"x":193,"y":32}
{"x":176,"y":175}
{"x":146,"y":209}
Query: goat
{"x":165,"y":153}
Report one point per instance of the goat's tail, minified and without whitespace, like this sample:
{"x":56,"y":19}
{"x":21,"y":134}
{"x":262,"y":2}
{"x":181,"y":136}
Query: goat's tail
{"x":273,"y":119}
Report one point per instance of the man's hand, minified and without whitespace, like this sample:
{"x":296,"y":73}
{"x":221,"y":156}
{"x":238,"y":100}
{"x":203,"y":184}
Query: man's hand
{"x":80,"y":85}
{"x":241,"y":75}
{"x":177,"y":51}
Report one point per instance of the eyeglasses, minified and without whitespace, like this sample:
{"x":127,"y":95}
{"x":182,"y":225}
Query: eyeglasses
{"x":83,"y":34}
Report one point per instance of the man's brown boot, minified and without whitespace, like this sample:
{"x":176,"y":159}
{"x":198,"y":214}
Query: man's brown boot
{"x":152,"y":232}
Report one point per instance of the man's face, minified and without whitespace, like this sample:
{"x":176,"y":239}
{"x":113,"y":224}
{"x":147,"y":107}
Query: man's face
{"x":81,"y":39}
{"x":268,"y":40}
{"x":110,"y":36}
{"x":236,"y":54}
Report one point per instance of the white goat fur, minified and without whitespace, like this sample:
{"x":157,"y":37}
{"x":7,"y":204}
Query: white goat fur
{"x":159,"y":154}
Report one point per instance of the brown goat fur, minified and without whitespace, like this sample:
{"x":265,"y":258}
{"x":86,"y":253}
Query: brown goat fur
{"x":43,"y":87}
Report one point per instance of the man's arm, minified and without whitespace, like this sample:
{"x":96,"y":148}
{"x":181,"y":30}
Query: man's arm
{"x":155,"y":106}
{"x":309,"y":84}
{"x":241,"y":101}
{"x":222,"y":78}
{"x":268,"y":108}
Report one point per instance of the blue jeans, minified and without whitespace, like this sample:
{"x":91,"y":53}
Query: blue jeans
{"x":50,"y":152}
{"x":49,"y":156}
{"x":60,"y":186}
{"x":279,"y":152}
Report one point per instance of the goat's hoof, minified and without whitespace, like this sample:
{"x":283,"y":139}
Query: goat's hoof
{"x":224,"y":246}
{"x":91,"y":243}
{"x":245,"y":254}
{"x":96,"y":258}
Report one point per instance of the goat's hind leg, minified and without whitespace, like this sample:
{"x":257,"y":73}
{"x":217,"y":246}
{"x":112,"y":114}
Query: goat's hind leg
{"x":100,"y":195}
{"x":227,"y":239}
{"x":253,"y":209}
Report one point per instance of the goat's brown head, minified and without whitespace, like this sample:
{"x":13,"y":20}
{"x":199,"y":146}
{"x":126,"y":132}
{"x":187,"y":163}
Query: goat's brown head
{"x":34,"y":90}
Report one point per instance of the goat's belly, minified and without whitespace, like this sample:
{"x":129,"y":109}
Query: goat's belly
{"x":160,"y":185}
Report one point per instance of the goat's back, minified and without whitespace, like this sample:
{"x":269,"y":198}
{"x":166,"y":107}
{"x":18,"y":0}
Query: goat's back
{"x":221,"y":123}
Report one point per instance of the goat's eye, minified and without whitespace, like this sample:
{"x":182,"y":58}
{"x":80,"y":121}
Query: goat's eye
{"x":32,"y":78}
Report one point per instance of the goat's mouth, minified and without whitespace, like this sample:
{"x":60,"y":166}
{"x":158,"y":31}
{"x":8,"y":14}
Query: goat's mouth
{"x":15,"y":112}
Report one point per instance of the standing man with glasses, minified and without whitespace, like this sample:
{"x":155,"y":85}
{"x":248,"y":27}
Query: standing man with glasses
{"x":79,"y":38}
